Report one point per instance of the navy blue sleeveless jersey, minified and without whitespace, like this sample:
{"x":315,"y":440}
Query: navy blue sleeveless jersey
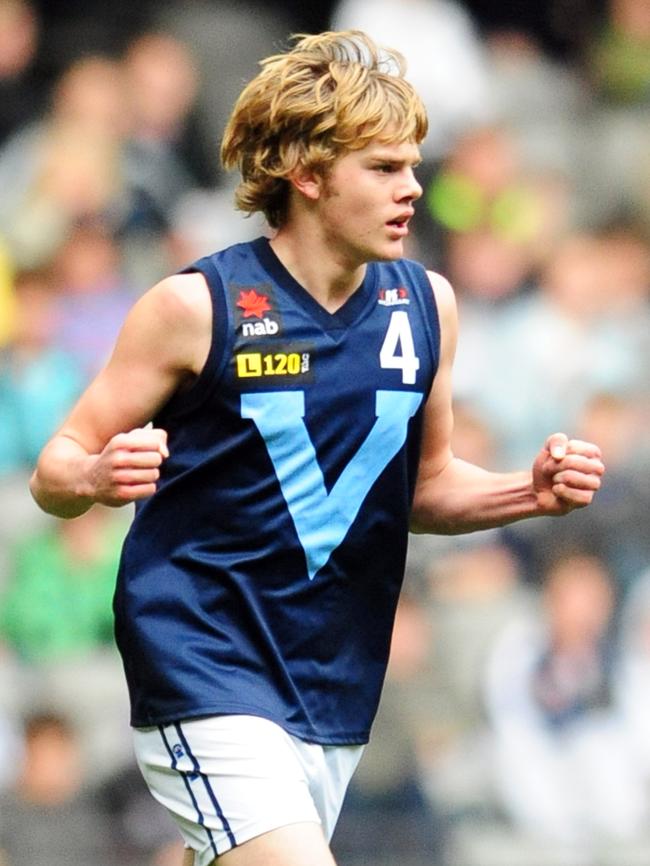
{"x":263,"y":575}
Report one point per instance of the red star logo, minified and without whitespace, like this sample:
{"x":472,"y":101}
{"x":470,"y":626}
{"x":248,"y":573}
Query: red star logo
{"x":253,"y":304}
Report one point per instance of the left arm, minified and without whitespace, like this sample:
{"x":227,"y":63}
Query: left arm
{"x":453,"y":496}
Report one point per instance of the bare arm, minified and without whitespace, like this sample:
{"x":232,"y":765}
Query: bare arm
{"x":453,"y":496}
{"x":103,"y":452}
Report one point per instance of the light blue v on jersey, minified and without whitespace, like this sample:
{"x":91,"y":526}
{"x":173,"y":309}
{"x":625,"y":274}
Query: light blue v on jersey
{"x":262,"y":577}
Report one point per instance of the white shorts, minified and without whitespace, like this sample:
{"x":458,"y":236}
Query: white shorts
{"x":227,"y":779}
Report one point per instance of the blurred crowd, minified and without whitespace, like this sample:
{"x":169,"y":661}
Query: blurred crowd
{"x":515,"y":723}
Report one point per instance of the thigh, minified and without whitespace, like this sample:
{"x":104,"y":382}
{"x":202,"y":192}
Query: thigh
{"x":294,"y":845}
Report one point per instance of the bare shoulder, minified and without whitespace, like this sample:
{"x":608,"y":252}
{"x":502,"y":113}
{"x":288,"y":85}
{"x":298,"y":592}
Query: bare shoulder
{"x":172,"y":322}
{"x":182,"y":299}
{"x":443,"y":292}
{"x":447,"y":310}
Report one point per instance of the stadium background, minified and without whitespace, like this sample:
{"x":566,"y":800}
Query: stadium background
{"x":514,"y":725}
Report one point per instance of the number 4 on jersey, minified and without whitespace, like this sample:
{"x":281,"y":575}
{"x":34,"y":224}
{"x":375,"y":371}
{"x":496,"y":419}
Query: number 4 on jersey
{"x":399,"y":335}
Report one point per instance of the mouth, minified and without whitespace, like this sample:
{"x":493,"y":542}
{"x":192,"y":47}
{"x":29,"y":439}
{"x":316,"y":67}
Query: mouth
{"x":400,"y":223}
{"x":398,"y":228}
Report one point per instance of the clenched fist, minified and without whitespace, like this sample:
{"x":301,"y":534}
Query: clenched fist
{"x":566,"y":474}
{"x":128,"y":467}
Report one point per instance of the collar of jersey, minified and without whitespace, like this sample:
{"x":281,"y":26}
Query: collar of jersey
{"x":340,"y":320}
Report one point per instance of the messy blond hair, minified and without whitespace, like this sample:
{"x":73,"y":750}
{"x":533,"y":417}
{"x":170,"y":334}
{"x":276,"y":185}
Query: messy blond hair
{"x":331,"y":93}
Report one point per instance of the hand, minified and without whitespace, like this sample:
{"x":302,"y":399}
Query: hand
{"x":566,"y":474}
{"x":128,"y":467}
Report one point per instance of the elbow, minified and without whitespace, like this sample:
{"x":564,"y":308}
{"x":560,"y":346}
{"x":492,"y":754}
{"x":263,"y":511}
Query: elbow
{"x":36,"y":490}
{"x":50,"y":503}
{"x":436,"y":511}
{"x":427,"y":519}
{"x":419,"y":521}
{"x":429,"y":524}
{"x":423,"y":515}
{"x":432,"y":511}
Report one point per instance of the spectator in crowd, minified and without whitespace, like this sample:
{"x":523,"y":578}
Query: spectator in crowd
{"x":143,"y":833}
{"x":494,"y":217}
{"x":561,"y":332}
{"x":445,"y":57}
{"x":558,"y":735}
{"x":93,"y":294}
{"x":539,"y":95}
{"x":609,"y":318}
{"x":39,"y":380}
{"x":558,"y":27}
{"x":619,"y":53}
{"x":161,"y":84}
{"x":387,"y":805}
{"x":227,"y":41}
{"x":618,"y":529}
{"x":613,"y":175}
{"x":71,"y":569}
{"x":65,"y":166}
{"x":49,"y":817}
{"x":77,"y":28}
{"x":56,"y":632}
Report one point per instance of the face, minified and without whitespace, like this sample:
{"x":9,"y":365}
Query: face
{"x":366,"y":201}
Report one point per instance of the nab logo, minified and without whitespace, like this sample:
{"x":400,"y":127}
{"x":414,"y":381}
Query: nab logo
{"x":259,"y":329}
{"x":393,"y":297}
{"x":253,"y":305}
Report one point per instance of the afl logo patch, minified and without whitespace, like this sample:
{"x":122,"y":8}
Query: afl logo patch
{"x":393,"y":297}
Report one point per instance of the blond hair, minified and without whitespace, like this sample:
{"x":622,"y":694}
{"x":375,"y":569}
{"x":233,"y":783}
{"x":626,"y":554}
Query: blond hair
{"x":331,"y":93}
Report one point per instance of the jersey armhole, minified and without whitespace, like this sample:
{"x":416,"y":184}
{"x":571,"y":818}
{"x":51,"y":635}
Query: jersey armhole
{"x":427,"y":300}
{"x":186,"y":400}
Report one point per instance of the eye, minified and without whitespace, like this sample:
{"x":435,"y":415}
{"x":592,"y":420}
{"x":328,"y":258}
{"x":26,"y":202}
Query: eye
{"x":385,"y":168}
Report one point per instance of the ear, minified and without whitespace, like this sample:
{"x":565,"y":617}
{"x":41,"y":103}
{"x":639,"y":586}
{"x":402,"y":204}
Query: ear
{"x":307,"y":182}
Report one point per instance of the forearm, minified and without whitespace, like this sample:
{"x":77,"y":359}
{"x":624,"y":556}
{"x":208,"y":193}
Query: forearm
{"x":60,"y":483}
{"x":465,"y":498}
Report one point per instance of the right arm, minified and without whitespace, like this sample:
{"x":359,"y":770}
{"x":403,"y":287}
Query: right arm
{"x":104,"y":452}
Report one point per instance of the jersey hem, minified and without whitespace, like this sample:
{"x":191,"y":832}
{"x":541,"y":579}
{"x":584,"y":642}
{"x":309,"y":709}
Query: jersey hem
{"x":306,"y":735}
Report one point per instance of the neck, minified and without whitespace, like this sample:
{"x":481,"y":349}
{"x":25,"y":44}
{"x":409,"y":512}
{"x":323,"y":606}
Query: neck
{"x":326,"y":275}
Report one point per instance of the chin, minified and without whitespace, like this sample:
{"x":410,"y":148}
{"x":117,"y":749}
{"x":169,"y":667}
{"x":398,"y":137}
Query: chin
{"x":390,"y":252}
{"x":387,"y":251}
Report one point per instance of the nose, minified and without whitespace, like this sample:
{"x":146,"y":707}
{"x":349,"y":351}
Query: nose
{"x":410,"y":189}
